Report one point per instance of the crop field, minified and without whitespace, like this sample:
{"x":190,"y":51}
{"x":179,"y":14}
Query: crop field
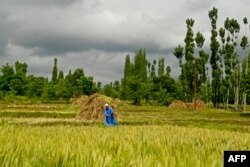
{"x":146,"y":136}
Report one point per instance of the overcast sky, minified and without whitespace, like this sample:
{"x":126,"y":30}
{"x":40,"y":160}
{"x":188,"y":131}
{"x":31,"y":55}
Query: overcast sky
{"x":96,"y":35}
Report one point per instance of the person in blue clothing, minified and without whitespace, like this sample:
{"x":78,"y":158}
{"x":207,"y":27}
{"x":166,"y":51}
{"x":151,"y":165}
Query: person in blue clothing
{"x":109,"y":116}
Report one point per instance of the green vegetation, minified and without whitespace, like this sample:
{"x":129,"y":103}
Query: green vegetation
{"x":14,"y":83}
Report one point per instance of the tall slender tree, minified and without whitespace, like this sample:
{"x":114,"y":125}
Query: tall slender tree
{"x":233,"y":28}
{"x":60,"y":76}
{"x":201,"y":62}
{"x":168,"y":71}
{"x":152,"y":71}
{"x":214,"y":58}
{"x":245,"y":44}
{"x":54,"y":72}
{"x":189,"y":57}
{"x":161,"y":66}
{"x":179,"y":54}
{"x":125,"y":80}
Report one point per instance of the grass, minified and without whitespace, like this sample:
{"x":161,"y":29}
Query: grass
{"x":49,"y":135}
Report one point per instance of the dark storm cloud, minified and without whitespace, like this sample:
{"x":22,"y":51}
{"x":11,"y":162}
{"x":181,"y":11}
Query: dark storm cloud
{"x":56,"y":44}
{"x":57,"y":31}
{"x":5,"y":29}
{"x":103,"y":30}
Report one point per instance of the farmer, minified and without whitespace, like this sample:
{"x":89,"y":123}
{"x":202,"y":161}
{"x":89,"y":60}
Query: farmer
{"x":109,"y":114}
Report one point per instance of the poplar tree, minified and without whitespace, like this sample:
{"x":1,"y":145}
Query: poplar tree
{"x":54,"y":72}
{"x":233,"y":28}
{"x":214,"y":58}
{"x":201,"y":68}
{"x":245,"y":72}
{"x":178,"y":53}
{"x":149,"y":69}
{"x":60,"y":76}
{"x":161,"y":67}
{"x":246,"y":80}
{"x":139,"y":77}
{"x":152,"y":72}
{"x":168,"y":71}
{"x":189,"y":57}
{"x":225,"y":80}
{"x":202,"y":60}
{"x":125,"y":80}
{"x":140,"y":64}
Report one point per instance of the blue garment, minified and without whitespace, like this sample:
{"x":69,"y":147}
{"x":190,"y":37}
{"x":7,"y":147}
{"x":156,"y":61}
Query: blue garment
{"x":110,"y":119}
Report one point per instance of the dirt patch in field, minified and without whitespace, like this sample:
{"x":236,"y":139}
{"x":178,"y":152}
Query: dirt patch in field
{"x":92,"y":107}
{"x":178,"y":104}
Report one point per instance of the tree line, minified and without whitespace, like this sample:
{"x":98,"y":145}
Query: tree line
{"x":14,"y":81}
{"x":219,"y":75}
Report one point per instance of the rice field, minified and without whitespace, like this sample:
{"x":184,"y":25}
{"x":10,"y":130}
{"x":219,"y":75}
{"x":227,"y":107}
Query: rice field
{"x":146,"y":136}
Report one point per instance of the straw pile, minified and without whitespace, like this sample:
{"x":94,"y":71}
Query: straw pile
{"x":92,"y":107}
{"x":177,"y":104}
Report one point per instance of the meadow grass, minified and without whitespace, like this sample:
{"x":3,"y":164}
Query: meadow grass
{"x":49,"y":135}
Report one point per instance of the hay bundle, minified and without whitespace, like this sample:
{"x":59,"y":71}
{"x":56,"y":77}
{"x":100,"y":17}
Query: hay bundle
{"x":92,"y":108}
{"x":177,"y":104}
{"x":200,"y":104}
{"x":190,"y":106}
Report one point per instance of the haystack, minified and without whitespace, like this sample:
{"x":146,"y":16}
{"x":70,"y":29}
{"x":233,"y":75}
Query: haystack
{"x":190,"y":106}
{"x":200,"y":104}
{"x":92,"y":108}
{"x":177,"y":104}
